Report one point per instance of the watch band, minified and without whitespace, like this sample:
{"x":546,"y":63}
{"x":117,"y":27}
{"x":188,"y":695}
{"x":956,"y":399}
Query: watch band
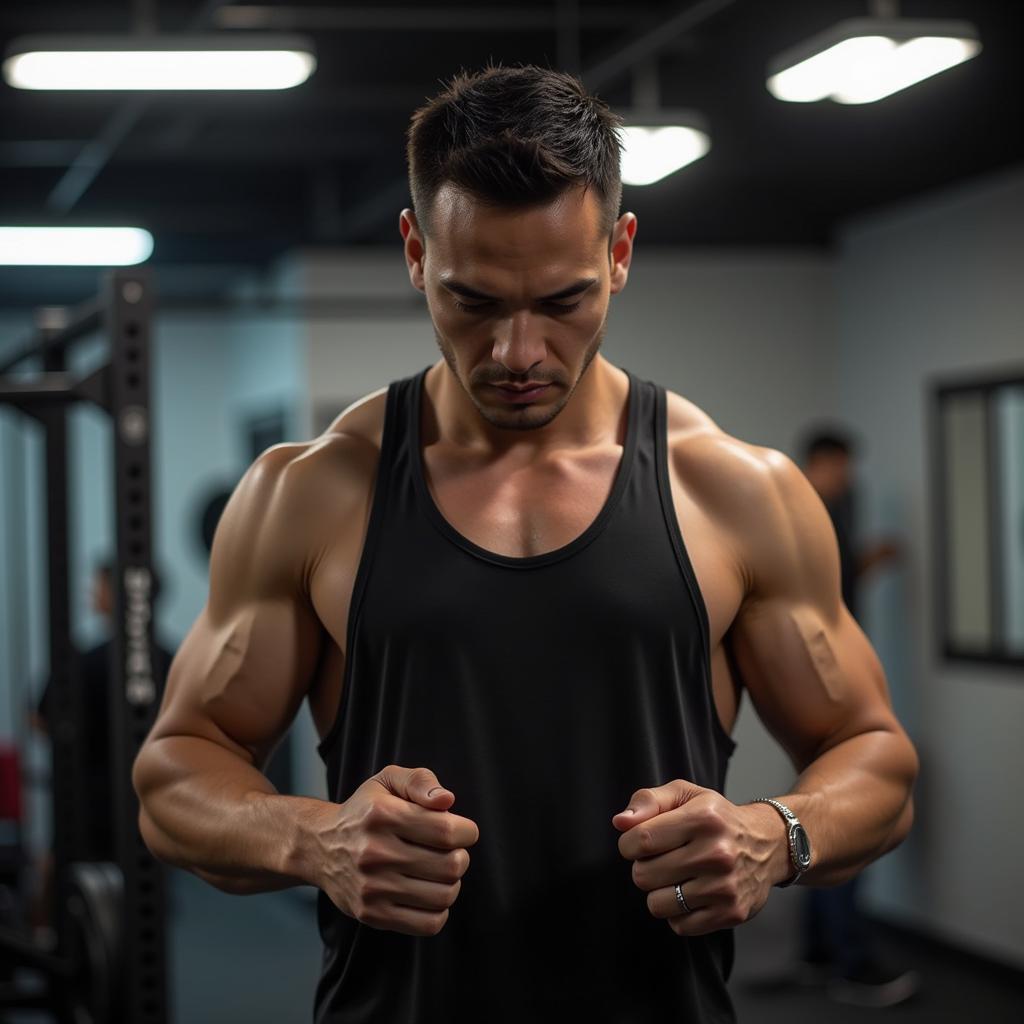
{"x":790,"y":819}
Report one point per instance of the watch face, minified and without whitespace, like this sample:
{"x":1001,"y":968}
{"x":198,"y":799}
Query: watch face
{"x":802,"y":845}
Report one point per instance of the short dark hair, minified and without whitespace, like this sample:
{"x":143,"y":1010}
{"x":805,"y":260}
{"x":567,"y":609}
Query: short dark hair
{"x":514,"y":137}
{"x":827,"y":441}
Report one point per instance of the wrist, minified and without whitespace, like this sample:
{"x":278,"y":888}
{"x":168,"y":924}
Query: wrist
{"x":299,"y":822}
{"x":773,"y":835}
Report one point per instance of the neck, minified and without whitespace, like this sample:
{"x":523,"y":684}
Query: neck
{"x":593,"y":414}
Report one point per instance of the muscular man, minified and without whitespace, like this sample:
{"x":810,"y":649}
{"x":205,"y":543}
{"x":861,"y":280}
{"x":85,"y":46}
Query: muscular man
{"x":521,"y":590}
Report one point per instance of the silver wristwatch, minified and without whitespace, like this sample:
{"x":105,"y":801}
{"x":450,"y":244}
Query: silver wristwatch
{"x":799,"y":843}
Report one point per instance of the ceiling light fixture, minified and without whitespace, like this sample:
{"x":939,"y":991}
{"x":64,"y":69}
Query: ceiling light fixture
{"x":74,"y":247}
{"x":659,"y":143}
{"x":224,"y":61}
{"x":861,"y":60}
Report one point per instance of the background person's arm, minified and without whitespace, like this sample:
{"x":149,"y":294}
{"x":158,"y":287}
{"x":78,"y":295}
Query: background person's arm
{"x":878,"y":553}
{"x":817,"y":684}
{"x":233,"y":689}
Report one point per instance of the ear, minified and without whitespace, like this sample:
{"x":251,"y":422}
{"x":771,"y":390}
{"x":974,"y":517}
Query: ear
{"x":414,"y":247}
{"x":621,"y":250}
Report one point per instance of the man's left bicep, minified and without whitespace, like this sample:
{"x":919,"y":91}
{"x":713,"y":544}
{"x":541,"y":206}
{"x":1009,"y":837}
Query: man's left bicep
{"x":813,"y":680}
{"x":812,"y":674}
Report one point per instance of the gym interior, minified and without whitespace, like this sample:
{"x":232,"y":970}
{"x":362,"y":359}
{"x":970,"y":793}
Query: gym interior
{"x":841,"y":262}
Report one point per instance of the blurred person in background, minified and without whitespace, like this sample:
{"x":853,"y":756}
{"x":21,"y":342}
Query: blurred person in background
{"x":93,"y":668}
{"x":837,"y":948}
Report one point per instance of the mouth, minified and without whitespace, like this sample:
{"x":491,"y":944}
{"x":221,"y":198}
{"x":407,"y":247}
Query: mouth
{"x":520,"y":394}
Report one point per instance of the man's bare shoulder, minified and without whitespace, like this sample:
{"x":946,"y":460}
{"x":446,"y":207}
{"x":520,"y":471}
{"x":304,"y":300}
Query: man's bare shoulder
{"x":750,"y":489}
{"x":298,"y":471}
{"x":284,"y":510}
{"x":341,"y":463}
{"x":709,"y":458}
{"x":364,"y":418}
{"x":294,"y":494}
{"x":344,"y":454}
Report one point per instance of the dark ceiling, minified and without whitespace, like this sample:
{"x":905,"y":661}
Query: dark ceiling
{"x":229,"y":181}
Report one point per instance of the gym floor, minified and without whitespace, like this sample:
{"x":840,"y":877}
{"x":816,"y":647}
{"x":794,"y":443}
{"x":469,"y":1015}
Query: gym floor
{"x":955,"y":985}
{"x":217,"y":981}
{"x":236,"y":960}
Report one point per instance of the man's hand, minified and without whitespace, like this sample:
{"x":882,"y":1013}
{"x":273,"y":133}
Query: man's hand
{"x":393,"y":855}
{"x":726,"y":857}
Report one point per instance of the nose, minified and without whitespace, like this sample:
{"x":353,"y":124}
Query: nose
{"x":519,"y":344}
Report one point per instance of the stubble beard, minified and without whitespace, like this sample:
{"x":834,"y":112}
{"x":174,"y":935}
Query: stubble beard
{"x":528,"y":418}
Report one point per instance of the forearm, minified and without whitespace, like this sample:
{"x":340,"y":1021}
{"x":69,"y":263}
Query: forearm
{"x":254,"y":880}
{"x":209,"y":811}
{"x":855,"y":801}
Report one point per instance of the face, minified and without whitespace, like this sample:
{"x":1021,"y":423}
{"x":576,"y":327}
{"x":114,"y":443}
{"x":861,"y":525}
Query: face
{"x":102,"y":595}
{"x":494,"y":280}
{"x":829,"y":472}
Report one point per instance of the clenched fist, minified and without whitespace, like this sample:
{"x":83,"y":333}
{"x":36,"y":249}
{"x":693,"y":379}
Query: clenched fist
{"x":393,"y":856}
{"x":725,"y":856}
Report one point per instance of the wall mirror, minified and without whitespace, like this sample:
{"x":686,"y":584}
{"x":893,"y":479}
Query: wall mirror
{"x":977,"y":435}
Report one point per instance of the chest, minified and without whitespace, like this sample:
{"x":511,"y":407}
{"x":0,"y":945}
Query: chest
{"x":522,"y":511}
{"x":518,"y":511}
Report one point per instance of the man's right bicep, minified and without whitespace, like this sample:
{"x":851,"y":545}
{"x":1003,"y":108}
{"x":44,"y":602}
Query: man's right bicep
{"x":241,"y":682}
{"x":246,"y":664}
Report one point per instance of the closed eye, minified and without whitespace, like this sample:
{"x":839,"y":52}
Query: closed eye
{"x":561,"y":307}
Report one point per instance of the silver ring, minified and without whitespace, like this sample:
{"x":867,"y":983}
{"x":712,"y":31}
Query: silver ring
{"x":681,"y":899}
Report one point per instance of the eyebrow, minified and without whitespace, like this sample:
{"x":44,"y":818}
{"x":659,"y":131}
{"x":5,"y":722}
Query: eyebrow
{"x":471,"y":293}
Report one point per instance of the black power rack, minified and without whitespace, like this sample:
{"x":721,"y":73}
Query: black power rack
{"x":109,"y":962}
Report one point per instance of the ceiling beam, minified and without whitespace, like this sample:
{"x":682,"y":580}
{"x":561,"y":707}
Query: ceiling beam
{"x":622,"y":59}
{"x":93,"y":156}
{"x":422,"y":18}
{"x":213,"y":219}
{"x":220,"y":148}
{"x":96,"y":153}
{"x":39,"y":152}
{"x":30,"y":105}
{"x":613,"y":65}
{"x":370,"y":213}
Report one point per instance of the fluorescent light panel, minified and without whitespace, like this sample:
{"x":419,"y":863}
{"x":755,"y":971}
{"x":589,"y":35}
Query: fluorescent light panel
{"x":659,"y":143}
{"x":862,"y":60}
{"x":215,"y":62}
{"x":78,"y":247}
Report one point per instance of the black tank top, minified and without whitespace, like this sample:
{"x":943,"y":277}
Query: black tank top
{"x":543,"y":691}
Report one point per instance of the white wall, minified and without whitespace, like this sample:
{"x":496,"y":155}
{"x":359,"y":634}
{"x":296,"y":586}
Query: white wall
{"x":934,"y":287}
{"x":352,"y":355}
{"x":748,"y":335}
